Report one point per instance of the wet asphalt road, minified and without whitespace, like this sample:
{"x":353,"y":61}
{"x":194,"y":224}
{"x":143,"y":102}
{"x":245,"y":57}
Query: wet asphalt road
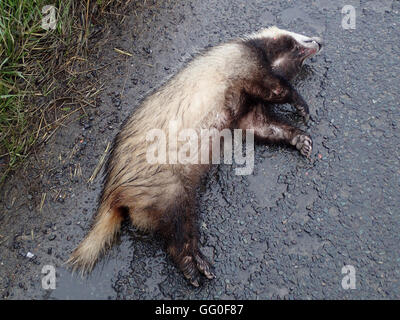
{"x":284,"y":232}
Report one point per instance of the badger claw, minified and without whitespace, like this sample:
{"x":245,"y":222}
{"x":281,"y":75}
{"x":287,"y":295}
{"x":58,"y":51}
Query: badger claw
{"x":304,"y":145}
{"x":204,"y":266}
{"x":193,"y":266}
{"x":306,"y":118}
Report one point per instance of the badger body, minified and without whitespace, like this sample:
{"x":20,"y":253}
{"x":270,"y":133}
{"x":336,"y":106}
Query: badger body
{"x":228,"y":86}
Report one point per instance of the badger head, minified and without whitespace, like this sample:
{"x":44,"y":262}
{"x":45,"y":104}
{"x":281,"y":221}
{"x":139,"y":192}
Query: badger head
{"x":285,"y":51}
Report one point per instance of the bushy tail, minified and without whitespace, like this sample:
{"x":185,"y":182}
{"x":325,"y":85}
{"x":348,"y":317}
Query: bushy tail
{"x":100,"y":237}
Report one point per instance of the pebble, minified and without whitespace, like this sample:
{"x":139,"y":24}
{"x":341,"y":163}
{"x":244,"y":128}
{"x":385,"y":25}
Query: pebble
{"x":30,"y":255}
{"x":147,"y":50}
{"x":52,"y":237}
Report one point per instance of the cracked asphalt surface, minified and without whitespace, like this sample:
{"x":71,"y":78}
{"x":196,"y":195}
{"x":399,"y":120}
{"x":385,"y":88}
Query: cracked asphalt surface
{"x":284,"y":232}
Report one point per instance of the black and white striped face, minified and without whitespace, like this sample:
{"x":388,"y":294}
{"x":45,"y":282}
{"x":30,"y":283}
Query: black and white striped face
{"x":286,"y":51}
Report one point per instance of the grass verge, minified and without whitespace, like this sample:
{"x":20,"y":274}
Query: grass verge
{"x":39,"y":68}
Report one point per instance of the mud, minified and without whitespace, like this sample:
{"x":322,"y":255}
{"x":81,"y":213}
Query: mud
{"x":284,"y":232}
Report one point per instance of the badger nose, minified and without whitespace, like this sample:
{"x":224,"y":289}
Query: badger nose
{"x":319,"y":41}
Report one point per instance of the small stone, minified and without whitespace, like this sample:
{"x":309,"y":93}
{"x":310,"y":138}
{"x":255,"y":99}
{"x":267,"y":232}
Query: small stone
{"x":60,"y":199}
{"x":147,"y":50}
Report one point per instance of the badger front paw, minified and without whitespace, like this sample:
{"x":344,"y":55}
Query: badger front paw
{"x":303,"y":143}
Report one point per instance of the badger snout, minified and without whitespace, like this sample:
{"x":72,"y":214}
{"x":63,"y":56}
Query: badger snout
{"x":312,"y":46}
{"x":318,"y":41}
{"x":313,"y":43}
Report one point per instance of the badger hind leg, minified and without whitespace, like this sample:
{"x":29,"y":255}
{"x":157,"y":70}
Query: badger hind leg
{"x":179,"y":229}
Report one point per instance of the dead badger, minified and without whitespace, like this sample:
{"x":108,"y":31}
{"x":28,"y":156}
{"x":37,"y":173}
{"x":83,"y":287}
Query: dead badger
{"x":222,"y":88}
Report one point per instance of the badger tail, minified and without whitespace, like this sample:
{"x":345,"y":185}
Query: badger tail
{"x":106,"y":226}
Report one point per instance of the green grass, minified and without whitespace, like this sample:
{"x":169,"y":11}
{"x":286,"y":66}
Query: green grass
{"x":38,"y":70}
{"x":24,"y":49}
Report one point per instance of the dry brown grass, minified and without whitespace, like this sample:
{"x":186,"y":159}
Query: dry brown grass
{"x":43,"y":74}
